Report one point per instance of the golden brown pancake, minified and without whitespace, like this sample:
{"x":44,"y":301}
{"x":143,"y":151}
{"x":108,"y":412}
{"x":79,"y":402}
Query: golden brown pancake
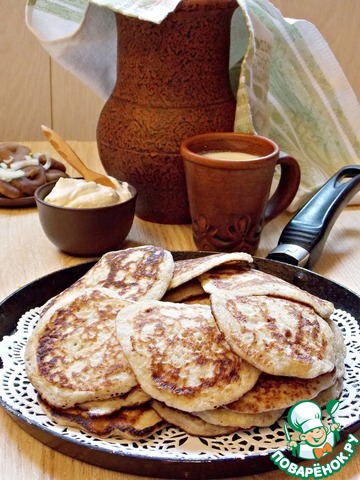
{"x":180,"y":357}
{"x":339,"y":347}
{"x":331,"y":393}
{"x":229,"y":418}
{"x":191,"y":424}
{"x":248,"y":281}
{"x":98,"y":408}
{"x":188,"y":269}
{"x":276,"y":335}
{"x":133,"y":273}
{"x":274,"y":392}
{"x":73,"y":355}
{"x":130,"y":423}
{"x":183,"y":292}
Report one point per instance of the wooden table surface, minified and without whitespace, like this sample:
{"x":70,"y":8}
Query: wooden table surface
{"x":26,"y":254}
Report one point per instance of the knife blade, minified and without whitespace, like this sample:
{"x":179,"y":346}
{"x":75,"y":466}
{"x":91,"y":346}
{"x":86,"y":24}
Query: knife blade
{"x":287,"y":434}
{"x":303,"y":238}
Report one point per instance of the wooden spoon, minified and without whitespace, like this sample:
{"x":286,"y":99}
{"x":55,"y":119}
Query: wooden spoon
{"x":71,"y":157}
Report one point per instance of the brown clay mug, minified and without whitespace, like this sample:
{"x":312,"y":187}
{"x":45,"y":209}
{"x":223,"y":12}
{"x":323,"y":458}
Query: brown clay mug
{"x":228,"y":178}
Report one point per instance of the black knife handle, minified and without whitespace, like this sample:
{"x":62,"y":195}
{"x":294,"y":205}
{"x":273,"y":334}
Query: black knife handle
{"x":308,"y":230}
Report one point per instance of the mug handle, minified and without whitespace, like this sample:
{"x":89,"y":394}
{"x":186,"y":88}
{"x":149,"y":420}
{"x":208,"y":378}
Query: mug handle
{"x":287,"y":188}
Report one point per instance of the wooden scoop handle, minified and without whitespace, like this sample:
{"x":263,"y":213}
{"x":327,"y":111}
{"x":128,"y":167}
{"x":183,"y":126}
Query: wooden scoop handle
{"x":68,"y":154}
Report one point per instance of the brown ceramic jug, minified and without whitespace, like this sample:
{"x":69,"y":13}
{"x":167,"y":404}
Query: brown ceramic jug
{"x":172,"y":82}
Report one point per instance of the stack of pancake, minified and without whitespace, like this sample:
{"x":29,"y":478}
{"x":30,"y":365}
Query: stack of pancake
{"x":210,"y":345}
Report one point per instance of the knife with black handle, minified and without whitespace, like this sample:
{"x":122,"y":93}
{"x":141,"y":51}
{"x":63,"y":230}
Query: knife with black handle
{"x":303,"y":239}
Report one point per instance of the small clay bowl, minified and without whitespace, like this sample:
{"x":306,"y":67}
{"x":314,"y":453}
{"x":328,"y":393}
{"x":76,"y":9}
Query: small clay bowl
{"x":85,"y":231}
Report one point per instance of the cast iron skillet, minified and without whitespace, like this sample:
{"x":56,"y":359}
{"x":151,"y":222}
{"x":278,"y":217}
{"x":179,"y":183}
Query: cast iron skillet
{"x":318,"y":221}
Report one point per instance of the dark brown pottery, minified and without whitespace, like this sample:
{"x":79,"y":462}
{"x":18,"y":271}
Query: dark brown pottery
{"x":229,"y":199}
{"x":172,"y":82}
{"x":85,"y":231}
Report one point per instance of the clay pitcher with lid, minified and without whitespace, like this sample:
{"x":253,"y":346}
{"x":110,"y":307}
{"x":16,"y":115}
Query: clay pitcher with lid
{"x":172,"y":82}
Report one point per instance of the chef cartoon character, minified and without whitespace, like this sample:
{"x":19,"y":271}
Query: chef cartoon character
{"x":316,"y":439}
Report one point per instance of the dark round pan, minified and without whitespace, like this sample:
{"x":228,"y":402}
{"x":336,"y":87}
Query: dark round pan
{"x":36,"y":293}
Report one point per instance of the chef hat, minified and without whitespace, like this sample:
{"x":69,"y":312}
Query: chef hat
{"x":305,"y":416}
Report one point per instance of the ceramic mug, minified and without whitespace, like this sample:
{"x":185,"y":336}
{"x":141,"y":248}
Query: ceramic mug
{"x":228,"y":179}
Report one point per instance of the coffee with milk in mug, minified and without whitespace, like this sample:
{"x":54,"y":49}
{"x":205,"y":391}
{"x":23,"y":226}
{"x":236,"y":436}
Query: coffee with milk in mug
{"x":228,"y":155}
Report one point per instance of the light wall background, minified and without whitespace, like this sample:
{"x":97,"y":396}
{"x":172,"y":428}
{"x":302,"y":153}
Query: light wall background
{"x":35,"y":90}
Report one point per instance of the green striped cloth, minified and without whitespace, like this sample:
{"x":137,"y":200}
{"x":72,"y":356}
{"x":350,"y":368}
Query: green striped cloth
{"x":289,"y":85}
{"x":297,"y":94}
{"x":69,"y":10}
